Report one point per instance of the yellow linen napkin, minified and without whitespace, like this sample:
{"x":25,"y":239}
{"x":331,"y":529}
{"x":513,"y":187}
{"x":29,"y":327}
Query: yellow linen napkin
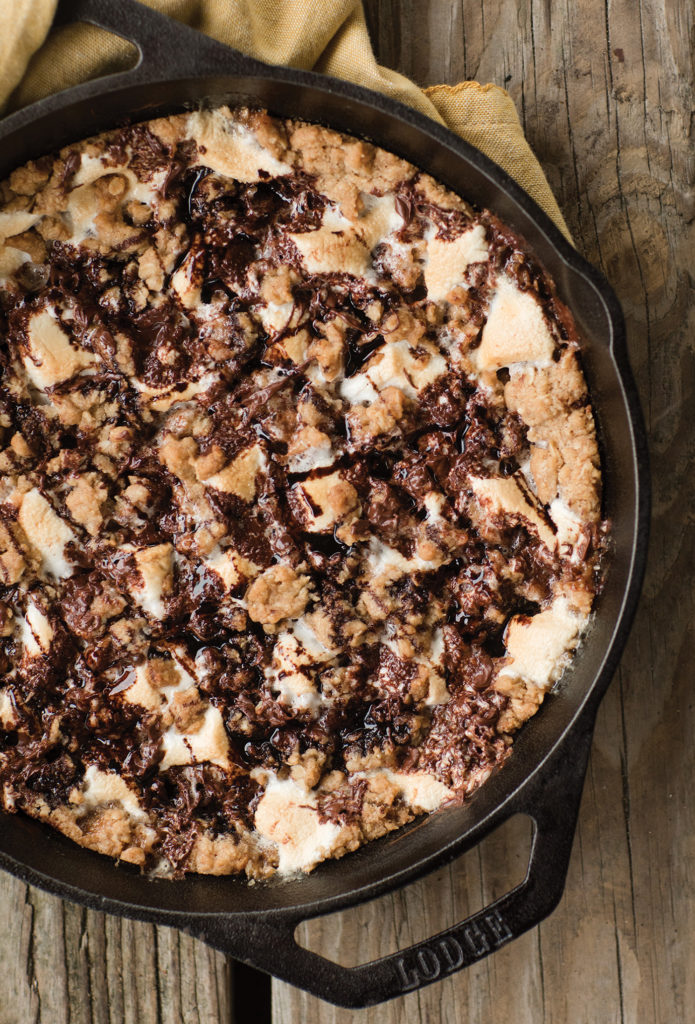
{"x":329,"y":36}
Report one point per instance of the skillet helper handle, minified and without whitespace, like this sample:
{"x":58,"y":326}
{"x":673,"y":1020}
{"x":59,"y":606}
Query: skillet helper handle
{"x":552,"y":802}
{"x":161,"y":41}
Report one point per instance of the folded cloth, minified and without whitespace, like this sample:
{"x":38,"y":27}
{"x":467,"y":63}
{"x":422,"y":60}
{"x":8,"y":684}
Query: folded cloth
{"x":330,"y":36}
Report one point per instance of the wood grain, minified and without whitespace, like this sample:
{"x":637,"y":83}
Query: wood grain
{"x":66,"y":965}
{"x":605,"y":92}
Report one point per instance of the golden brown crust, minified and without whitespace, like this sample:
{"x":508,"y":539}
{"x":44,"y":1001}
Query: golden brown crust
{"x":278,"y":593}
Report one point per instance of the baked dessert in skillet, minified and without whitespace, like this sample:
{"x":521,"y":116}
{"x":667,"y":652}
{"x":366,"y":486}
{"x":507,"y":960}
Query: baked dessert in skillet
{"x":299,"y":493}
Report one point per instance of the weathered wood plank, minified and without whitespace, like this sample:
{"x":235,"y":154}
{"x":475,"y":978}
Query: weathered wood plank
{"x":605,"y":91}
{"x":66,"y":965}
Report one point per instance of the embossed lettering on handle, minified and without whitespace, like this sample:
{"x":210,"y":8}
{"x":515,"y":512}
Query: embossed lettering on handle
{"x":450,"y":953}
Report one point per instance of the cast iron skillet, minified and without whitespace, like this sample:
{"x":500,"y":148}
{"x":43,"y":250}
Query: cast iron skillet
{"x":177,"y":69}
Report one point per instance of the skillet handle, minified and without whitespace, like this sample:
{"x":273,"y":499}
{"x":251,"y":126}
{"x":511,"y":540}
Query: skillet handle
{"x":553,"y":803}
{"x":160,"y":40}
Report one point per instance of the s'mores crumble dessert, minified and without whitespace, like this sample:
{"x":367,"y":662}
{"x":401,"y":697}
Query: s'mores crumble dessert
{"x":300,"y":494}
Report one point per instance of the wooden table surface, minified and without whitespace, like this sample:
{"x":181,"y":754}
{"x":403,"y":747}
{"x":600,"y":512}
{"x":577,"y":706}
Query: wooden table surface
{"x":605,"y":92}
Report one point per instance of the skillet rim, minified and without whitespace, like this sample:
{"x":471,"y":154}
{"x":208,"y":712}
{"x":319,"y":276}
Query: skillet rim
{"x":220,"y":58}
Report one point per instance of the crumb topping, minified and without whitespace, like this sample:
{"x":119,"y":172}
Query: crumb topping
{"x":299,"y":493}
